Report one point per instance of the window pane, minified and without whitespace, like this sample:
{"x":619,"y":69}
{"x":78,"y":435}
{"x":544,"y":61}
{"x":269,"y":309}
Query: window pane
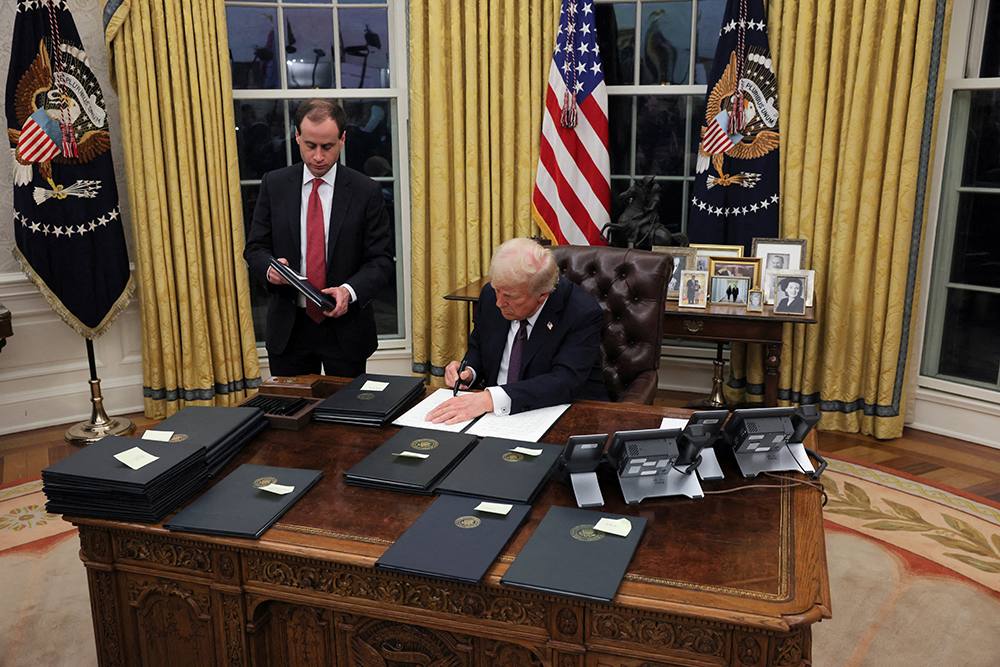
{"x":364,"y":56}
{"x":982,"y":143}
{"x":253,"y":47}
{"x":310,"y":45}
{"x":368,"y":146}
{"x":990,"y":64}
{"x":261,"y":137}
{"x":697,"y":121}
{"x":710,"y":13}
{"x":620,"y":134}
{"x":666,"y":42}
{"x":976,"y":256}
{"x":616,"y":40}
{"x":258,"y":293}
{"x":672,"y":205}
{"x":660,"y":136}
{"x":969,"y":348}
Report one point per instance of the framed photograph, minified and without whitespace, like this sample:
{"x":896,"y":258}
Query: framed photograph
{"x":789,"y":296}
{"x":684,"y":260}
{"x":730,"y":290}
{"x":755,"y":301}
{"x":777,"y":255}
{"x":694,"y":289}
{"x":718,"y":250}
{"x":775,"y":275}
{"x":742,"y":267}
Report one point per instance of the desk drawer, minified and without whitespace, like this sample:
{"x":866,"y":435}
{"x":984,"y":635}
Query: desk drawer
{"x":693,"y":325}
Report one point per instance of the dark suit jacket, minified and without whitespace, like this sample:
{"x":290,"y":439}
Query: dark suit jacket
{"x":560,"y":363}
{"x":359,"y":252}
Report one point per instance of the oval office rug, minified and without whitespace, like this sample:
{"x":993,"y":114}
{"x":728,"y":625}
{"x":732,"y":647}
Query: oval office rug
{"x":914,"y":577}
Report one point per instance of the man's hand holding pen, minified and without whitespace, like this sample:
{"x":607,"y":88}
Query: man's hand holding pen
{"x":458,"y":376}
{"x":465,"y":407}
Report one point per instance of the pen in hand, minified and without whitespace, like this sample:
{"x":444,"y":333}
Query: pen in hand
{"x":458,"y":382}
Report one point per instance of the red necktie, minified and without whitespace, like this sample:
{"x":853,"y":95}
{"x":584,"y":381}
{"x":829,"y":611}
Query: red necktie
{"x":517,"y":352}
{"x":315,"y":248}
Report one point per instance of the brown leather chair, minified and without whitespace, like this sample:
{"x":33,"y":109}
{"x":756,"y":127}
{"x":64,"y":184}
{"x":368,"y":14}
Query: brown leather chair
{"x":631,"y":286}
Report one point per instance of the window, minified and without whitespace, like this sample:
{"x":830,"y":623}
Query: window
{"x":283,"y":52}
{"x":657,"y":58}
{"x":963,"y":314}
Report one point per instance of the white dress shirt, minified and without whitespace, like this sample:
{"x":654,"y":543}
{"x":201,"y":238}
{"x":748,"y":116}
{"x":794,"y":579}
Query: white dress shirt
{"x":326,"y":201}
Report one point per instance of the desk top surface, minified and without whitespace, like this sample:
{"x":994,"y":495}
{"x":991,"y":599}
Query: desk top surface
{"x":756,"y":556}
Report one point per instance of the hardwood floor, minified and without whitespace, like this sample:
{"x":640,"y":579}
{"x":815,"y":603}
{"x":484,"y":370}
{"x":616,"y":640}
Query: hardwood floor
{"x":961,"y":465}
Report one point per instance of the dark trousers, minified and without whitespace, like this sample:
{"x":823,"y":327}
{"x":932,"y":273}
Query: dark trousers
{"x":311,"y":345}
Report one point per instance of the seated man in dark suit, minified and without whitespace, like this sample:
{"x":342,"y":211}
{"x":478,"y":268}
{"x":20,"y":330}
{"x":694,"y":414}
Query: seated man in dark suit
{"x":558,"y":356}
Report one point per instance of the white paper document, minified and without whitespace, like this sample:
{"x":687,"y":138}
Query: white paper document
{"x":417,"y":415}
{"x":279,"y":489}
{"x":528,"y":426}
{"x":374,"y":385}
{"x":673,"y":422}
{"x":620,"y":527}
{"x":413,"y":455}
{"x":136,"y":458}
{"x":494,"y":508}
{"x":527,"y":451}
{"x":162,"y":436}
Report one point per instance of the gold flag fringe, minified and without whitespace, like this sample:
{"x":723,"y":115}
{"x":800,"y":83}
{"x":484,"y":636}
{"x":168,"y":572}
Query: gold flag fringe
{"x":69,"y":318}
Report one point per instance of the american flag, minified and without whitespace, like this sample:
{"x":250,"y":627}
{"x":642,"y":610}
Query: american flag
{"x":572,"y":197}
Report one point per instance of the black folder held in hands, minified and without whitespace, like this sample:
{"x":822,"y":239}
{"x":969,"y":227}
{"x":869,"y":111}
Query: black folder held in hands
{"x":324,"y":301}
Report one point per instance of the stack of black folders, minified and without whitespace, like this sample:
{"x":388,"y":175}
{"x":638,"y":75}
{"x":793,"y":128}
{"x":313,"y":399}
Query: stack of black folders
{"x":93,"y":483}
{"x":566,"y":555}
{"x":223,"y":431}
{"x":454,"y":541}
{"x":495,"y":471}
{"x":370,"y":400}
{"x":414,"y":460}
{"x":240,"y":506}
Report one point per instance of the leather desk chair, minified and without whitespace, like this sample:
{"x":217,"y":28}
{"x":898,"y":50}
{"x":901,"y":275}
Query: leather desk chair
{"x":631,"y":286}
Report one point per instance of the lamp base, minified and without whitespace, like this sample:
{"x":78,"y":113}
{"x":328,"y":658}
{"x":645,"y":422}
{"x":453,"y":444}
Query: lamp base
{"x":100,"y":424}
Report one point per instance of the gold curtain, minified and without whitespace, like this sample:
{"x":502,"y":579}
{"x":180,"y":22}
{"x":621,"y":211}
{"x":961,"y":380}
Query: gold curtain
{"x":170,"y":65}
{"x":860,"y":84}
{"x":478,"y":71}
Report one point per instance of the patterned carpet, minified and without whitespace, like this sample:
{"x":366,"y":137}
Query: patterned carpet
{"x":914,"y":576}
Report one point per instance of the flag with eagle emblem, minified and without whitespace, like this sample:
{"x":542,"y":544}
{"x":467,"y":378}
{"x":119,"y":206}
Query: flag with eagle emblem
{"x":735,"y":194}
{"x":67,"y":225}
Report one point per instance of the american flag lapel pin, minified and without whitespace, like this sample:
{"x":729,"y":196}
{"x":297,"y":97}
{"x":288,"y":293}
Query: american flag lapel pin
{"x":549,"y":325}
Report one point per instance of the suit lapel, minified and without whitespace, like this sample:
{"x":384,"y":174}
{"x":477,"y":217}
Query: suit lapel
{"x":294,"y":217}
{"x":338,"y":212}
{"x":547,"y":322}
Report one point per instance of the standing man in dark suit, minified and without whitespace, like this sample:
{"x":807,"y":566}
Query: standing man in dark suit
{"x":328,"y":223}
{"x":536,"y":341}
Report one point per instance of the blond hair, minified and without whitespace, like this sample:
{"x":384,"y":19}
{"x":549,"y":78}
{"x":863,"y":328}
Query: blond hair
{"x":524,"y":262}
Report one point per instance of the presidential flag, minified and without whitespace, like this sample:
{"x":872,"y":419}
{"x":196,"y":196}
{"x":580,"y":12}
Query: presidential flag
{"x":572,"y":197}
{"x":735,"y":194}
{"x":67,"y":224}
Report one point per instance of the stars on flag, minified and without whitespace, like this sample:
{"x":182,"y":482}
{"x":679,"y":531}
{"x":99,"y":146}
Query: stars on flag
{"x":735,"y":210}
{"x":576,"y":53}
{"x":68,"y":230}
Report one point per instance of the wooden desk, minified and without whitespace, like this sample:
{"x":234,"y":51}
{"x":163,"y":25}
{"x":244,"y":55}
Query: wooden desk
{"x":716,"y":323}
{"x":733,"y":579}
{"x":6,"y":330}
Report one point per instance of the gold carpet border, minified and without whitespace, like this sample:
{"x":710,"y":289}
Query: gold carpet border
{"x":21,"y":489}
{"x":927,"y":491}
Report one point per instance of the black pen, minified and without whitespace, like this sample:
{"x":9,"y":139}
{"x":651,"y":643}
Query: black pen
{"x":461,"y":369}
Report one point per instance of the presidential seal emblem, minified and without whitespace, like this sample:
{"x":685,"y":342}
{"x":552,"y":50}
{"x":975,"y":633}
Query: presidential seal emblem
{"x":367,"y":396}
{"x":586,"y":533}
{"x":261,"y":482}
{"x":467,"y":521}
{"x":424,"y":444}
{"x":178,"y":437}
{"x":513,"y":457}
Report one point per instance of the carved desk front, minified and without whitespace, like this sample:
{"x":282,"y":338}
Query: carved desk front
{"x":733,"y":579}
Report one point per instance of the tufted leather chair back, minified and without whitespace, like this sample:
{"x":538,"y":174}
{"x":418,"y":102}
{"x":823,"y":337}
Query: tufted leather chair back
{"x":631,"y":286}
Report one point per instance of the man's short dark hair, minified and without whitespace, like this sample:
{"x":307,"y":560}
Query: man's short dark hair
{"x":317,"y":110}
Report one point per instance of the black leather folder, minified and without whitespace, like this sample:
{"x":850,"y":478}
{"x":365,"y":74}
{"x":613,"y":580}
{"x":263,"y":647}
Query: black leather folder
{"x":494,"y":472}
{"x":237,"y":506}
{"x":382,"y":469}
{"x":453,"y":541}
{"x":565,"y":555}
{"x":353,"y":404}
{"x":222,"y":430}
{"x":306,"y":288}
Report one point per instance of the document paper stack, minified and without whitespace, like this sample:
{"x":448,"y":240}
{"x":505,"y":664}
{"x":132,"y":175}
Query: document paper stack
{"x":370,"y":400}
{"x":414,"y":460}
{"x":223,"y":431}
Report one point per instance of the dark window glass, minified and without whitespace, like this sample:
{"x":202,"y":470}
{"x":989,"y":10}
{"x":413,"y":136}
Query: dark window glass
{"x":666,"y":43}
{"x":968,"y":344}
{"x":660,"y":136}
{"x":990,"y":64}
{"x":261,"y":137}
{"x":309,"y":47}
{"x":698,"y":121}
{"x":368,"y":145}
{"x":976,"y":255}
{"x":386,"y":302}
{"x":620,"y":134}
{"x":710,"y":13}
{"x":982,"y":143}
{"x":672,"y":205}
{"x":616,"y":40}
{"x":253,"y":47}
{"x":364,"y":55}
